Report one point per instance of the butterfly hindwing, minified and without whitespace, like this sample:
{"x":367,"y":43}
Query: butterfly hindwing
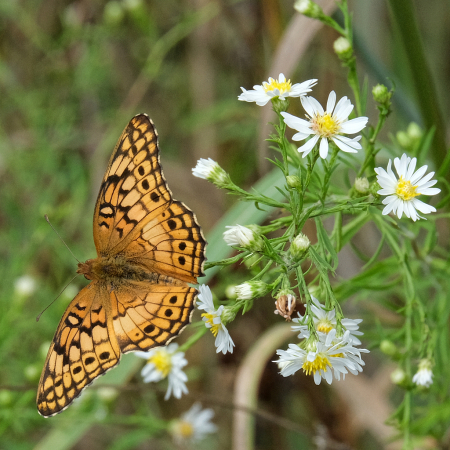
{"x":83,"y":348}
{"x":133,"y":190}
{"x":147,"y":315}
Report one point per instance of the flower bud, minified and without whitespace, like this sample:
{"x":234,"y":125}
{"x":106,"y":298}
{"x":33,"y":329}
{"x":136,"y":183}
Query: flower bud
{"x":404,"y":140}
{"x":294,"y":182}
{"x":230,"y":291}
{"x":343,"y":48}
{"x":209,"y":170}
{"x":388,"y":347}
{"x":252,"y":289}
{"x":244,"y":237}
{"x":398,"y":376}
{"x":31,"y":373}
{"x":424,"y":375}
{"x":414,"y":131}
{"x":362,"y":185}
{"x":6,"y":398}
{"x":228,"y":315}
{"x":309,"y":9}
{"x":25,"y":286}
{"x":299,"y":246}
{"x":107,"y":394}
{"x":113,"y":13}
{"x":381,"y":94}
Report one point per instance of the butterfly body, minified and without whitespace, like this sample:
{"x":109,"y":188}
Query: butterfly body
{"x":149,"y":247}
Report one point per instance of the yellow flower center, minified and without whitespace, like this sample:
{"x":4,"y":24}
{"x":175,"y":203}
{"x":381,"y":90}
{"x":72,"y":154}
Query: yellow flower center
{"x":405,"y":190}
{"x":325,"y":125}
{"x":324,"y":326}
{"x":186,"y":429}
{"x":283,"y":87}
{"x":215,"y":327}
{"x":162,"y":361}
{"x":320,"y":363}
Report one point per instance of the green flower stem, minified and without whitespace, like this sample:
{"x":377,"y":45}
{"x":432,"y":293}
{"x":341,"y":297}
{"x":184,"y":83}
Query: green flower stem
{"x":308,"y":312}
{"x":193,"y":339}
{"x":370,"y":151}
{"x":404,"y":16}
{"x":328,"y":171}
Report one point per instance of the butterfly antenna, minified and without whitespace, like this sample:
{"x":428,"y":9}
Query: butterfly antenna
{"x":48,"y":220}
{"x":48,"y":306}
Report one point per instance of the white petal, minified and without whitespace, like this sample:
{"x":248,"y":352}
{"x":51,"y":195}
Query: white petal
{"x":429,"y":191}
{"x":300,"y":89}
{"x":411,"y":167}
{"x":331,"y":102}
{"x":281,"y":78}
{"x":342,"y":146}
{"x":343,"y":109}
{"x":422,"y":207}
{"x":312,"y":106}
{"x":354,"y":125}
{"x":424,"y":180}
{"x":300,"y":136}
{"x":323,"y":149}
{"x":306,"y":148}
{"x":400,"y":210}
{"x":419,"y":174}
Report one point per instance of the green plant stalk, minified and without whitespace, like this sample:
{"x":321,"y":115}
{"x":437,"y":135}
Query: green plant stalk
{"x":370,"y":149}
{"x":404,"y":16}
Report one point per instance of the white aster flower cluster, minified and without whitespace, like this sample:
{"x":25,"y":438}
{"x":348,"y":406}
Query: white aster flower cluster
{"x":165,"y":362}
{"x":213,"y":321}
{"x":326,"y":356}
{"x":402,"y":192}
{"x":193,"y":425}
{"x":324,"y":322}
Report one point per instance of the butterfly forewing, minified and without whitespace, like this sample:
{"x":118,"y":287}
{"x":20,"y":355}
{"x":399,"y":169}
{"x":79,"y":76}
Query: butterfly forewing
{"x":133,"y":191}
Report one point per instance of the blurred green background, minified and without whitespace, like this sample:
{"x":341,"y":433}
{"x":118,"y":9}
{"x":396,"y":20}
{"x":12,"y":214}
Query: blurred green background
{"x":72,"y":74}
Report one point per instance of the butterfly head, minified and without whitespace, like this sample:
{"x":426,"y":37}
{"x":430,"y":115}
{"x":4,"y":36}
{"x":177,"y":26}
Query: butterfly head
{"x":86,"y":269}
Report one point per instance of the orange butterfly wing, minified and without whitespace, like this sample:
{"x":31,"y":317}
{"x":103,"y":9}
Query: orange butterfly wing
{"x":135,"y":219}
{"x":83,"y":348}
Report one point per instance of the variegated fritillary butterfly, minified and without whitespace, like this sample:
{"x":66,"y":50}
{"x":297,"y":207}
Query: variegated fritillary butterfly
{"x":149,"y":247}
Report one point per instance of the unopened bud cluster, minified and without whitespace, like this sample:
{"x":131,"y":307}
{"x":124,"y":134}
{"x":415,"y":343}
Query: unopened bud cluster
{"x":309,"y":9}
{"x":252,"y":289}
{"x":343,"y":49}
{"x":299,"y":246}
{"x":240,"y":236}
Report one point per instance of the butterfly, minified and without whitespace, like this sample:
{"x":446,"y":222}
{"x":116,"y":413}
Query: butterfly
{"x":149,"y":248}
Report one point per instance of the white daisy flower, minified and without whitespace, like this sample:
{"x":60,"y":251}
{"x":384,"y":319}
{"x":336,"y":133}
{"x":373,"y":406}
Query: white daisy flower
{"x":240,"y":236}
{"x":326,"y":125}
{"x":322,"y":358}
{"x":212,"y":319}
{"x":165,"y":362}
{"x":325,"y":321}
{"x":424,"y":376}
{"x":402,"y":193}
{"x":280,"y":88}
{"x":193,"y":425}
